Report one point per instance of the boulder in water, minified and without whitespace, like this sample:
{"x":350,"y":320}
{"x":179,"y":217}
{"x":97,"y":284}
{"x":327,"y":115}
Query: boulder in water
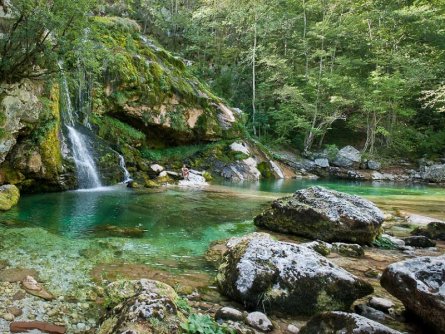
{"x":341,"y":322}
{"x":420,"y":284}
{"x":286,"y":278}
{"x":328,"y":215}
{"x":9,"y":196}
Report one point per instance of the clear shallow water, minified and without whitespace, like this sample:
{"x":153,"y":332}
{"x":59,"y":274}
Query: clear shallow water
{"x":168,"y":229}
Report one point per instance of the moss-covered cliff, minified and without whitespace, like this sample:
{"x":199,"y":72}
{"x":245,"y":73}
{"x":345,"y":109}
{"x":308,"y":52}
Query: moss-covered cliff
{"x":139,"y":101}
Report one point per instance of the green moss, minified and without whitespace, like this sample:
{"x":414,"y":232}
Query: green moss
{"x":265,"y":170}
{"x":9,"y":196}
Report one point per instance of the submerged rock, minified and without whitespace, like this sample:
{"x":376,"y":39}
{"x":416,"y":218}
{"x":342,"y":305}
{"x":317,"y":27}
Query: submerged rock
{"x":328,"y":215}
{"x":420,"y":284}
{"x":142,"y":306}
{"x":25,"y":326}
{"x":31,"y":286}
{"x":347,"y":323}
{"x":351,"y":250}
{"x":9,"y":196}
{"x":286,"y":278}
{"x":434,"y":230}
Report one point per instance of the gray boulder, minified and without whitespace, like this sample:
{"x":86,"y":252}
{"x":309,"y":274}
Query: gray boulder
{"x":345,"y":323}
{"x":374,"y":165}
{"x":278,"y":276}
{"x":434,"y":173}
{"x":328,"y":215}
{"x":322,"y":162}
{"x":419,"y":241}
{"x":420,"y":284}
{"x":348,"y":156}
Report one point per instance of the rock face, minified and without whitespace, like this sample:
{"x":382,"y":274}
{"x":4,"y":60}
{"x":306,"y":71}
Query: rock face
{"x":323,"y":214}
{"x":9,"y":196}
{"x":347,"y":323}
{"x":434,"y":173}
{"x":142,"y":306}
{"x":420,"y":284}
{"x":348,"y":156}
{"x":286,"y":278}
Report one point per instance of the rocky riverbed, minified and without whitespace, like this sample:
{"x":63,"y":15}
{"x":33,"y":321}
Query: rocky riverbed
{"x":63,"y":281}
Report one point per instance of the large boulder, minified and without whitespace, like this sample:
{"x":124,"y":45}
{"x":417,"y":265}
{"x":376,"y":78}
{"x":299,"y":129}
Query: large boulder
{"x":285,"y":278}
{"x":9,"y":196}
{"x":141,"y":306}
{"x":348,"y":156}
{"x":345,"y":323}
{"x":434,"y":173}
{"x":328,"y":215}
{"x":420,"y":284}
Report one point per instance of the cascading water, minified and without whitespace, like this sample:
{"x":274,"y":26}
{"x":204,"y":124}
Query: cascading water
{"x":87,"y":175}
{"x":127,"y":175}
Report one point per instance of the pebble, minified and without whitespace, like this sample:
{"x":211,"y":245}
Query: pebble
{"x":259,"y":321}
{"x":292,"y":329}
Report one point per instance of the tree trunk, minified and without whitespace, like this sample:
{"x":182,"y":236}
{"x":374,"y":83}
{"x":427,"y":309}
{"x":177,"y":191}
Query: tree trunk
{"x":254,"y":75}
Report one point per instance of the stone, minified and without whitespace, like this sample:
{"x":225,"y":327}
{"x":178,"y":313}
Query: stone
{"x":420,"y":285}
{"x":24,"y":326}
{"x":434,"y":173}
{"x":372,"y":313}
{"x":244,"y":170}
{"x":321,"y":247}
{"x":240,"y":147}
{"x":276,"y":276}
{"x":328,"y":215}
{"x":9,"y":196}
{"x":434,"y":230}
{"x":259,"y":321}
{"x":419,"y":241}
{"x":322,"y":162}
{"x":140,"y":305}
{"x":381,"y":304}
{"x":8,"y":316}
{"x":15,"y":311}
{"x":348,"y":156}
{"x":342,"y":322}
{"x":34,"y":288}
{"x":374,"y":165}
{"x":351,"y":250}
{"x":292,"y":329}
{"x":156,"y":168}
{"x":229,"y":313}
{"x":13,"y":275}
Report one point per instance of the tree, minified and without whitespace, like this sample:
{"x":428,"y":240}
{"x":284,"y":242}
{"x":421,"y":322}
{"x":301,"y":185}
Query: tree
{"x":36,"y":32}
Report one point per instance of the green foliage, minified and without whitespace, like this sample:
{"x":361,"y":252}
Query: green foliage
{"x":36,"y":32}
{"x":116,"y":131}
{"x":331,"y":150}
{"x":183,"y":305}
{"x":203,"y":324}
{"x":384,"y":243}
{"x":177,"y":153}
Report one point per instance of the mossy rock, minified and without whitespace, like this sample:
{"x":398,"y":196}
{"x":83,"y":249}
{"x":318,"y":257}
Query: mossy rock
{"x":9,"y":196}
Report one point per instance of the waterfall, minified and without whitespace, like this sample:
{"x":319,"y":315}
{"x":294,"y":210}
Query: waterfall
{"x":127,"y":176}
{"x":87,"y":175}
